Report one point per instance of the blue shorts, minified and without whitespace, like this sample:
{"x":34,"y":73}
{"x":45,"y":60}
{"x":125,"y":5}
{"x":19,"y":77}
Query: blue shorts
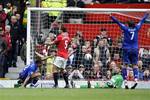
{"x":130,"y":56}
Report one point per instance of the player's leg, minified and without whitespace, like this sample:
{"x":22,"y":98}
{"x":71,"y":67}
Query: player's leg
{"x":65,"y":74}
{"x":34,"y":78}
{"x":19,"y":82}
{"x":134,"y":60}
{"x":57,"y":64}
{"x":126,"y":62}
{"x":55,"y":75}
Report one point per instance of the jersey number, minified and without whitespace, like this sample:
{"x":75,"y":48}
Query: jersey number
{"x":132,"y":35}
{"x":66,"y":44}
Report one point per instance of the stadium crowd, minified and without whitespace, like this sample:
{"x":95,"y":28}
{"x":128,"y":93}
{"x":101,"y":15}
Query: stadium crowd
{"x":13,"y":36}
{"x":90,"y":59}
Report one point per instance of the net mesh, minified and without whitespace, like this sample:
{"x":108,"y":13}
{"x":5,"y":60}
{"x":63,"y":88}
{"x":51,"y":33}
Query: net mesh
{"x":88,"y":30}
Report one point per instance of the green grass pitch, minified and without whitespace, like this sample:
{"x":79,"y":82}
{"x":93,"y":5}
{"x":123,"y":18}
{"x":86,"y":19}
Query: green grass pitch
{"x":74,"y":94}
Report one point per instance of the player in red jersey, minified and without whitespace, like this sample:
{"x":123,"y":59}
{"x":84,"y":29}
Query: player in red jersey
{"x":62,"y":41}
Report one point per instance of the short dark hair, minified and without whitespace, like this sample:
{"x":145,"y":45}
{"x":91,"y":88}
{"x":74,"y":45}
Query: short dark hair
{"x":131,"y":23}
{"x":63,"y":29}
{"x":37,"y":61}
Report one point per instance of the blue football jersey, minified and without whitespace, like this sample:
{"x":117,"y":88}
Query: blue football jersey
{"x":130,"y":34}
{"x":28,"y":70}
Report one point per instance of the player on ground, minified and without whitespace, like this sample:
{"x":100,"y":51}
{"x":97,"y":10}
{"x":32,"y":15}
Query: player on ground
{"x":62,"y":41}
{"x":116,"y":80}
{"x":130,"y":46}
{"x":29,"y":74}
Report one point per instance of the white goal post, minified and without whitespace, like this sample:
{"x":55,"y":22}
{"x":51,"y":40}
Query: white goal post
{"x":30,"y":40}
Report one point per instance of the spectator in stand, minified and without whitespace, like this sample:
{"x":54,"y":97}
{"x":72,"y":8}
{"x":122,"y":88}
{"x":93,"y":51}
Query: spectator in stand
{"x":11,"y":13}
{"x":104,"y":34}
{"x":88,"y":45}
{"x":71,"y":57}
{"x":7,"y":39}
{"x":75,"y":3}
{"x":14,"y":33}
{"x":145,"y":58}
{"x":80,"y":50}
{"x":20,"y":37}
{"x":88,"y":56}
{"x":140,"y":66}
{"x":79,"y":57}
{"x":96,"y":72}
{"x":146,"y":76}
{"x":112,"y":65}
{"x":8,"y":8}
{"x":71,"y":3}
{"x":77,"y":73}
{"x":79,"y":39}
{"x":116,"y":53}
{"x":3,"y":51}
{"x":23,"y":52}
{"x":111,"y":69}
{"x":55,"y":26}
{"x":148,"y":32}
{"x":3,"y":17}
{"x":102,"y":54}
{"x":130,"y":75}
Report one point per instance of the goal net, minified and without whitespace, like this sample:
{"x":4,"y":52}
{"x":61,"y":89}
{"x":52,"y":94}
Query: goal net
{"x":96,"y":39}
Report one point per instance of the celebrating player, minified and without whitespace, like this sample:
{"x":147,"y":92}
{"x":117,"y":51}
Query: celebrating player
{"x":130,"y":46}
{"x":29,"y":74}
{"x":62,"y":41}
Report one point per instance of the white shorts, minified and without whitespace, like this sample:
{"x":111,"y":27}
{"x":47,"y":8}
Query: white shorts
{"x":60,"y":62}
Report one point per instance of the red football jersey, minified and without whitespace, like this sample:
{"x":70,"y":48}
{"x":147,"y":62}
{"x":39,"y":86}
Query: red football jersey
{"x":62,"y":43}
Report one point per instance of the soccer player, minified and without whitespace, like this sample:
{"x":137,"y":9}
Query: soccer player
{"x":62,"y":41}
{"x":29,"y":74}
{"x":130,"y":46}
{"x":116,"y":80}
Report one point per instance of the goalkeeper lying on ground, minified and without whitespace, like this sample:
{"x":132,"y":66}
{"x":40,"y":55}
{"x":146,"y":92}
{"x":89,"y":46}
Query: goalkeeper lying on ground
{"x":116,"y":81}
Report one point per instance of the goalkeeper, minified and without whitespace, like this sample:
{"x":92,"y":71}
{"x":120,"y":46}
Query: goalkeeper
{"x":115,"y":81}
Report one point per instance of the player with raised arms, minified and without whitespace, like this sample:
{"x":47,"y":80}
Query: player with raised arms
{"x":130,"y":46}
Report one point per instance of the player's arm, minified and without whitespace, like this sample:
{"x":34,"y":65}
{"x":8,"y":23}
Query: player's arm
{"x":41,"y":56}
{"x":121,"y":25}
{"x":142,"y":21}
{"x":50,"y":43}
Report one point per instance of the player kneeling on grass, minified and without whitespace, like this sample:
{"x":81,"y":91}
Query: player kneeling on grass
{"x":29,"y":74}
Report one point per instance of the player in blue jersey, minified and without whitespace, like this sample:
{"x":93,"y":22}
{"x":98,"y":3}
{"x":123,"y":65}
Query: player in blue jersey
{"x":29,"y":74}
{"x":130,"y":46}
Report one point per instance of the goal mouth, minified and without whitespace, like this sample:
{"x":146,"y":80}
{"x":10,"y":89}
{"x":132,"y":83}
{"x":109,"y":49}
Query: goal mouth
{"x":85,"y":24}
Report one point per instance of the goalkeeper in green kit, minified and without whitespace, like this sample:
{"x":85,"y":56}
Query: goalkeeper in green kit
{"x":115,"y":81}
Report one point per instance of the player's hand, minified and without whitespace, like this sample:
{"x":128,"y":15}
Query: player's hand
{"x":148,"y":11}
{"x":110,"y":15}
